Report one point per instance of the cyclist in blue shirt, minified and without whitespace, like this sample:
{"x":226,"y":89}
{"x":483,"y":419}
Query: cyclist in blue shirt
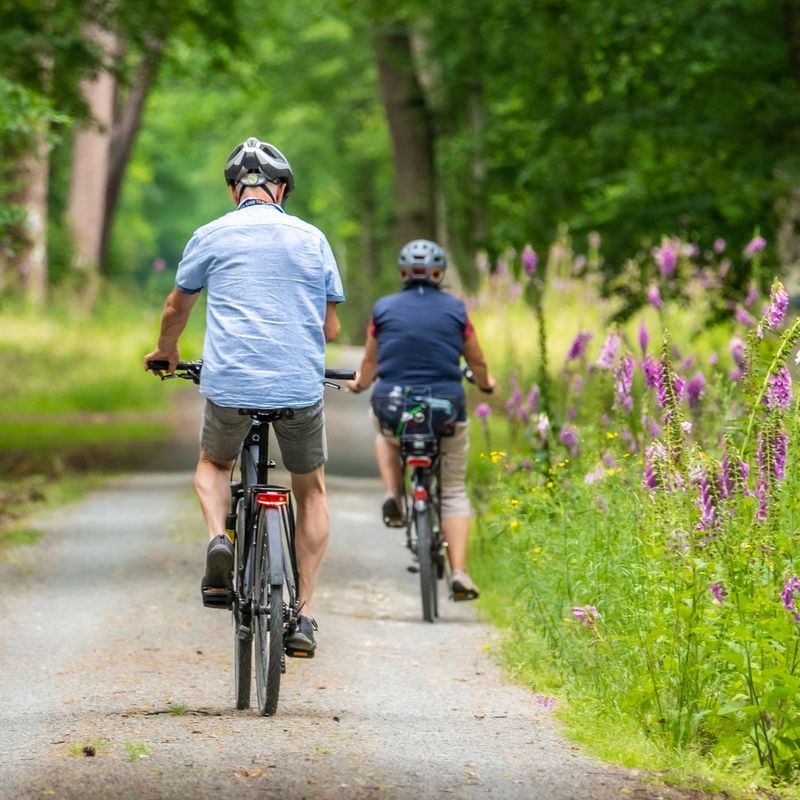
{"x":272,"y":288}
{"x":415,"y":340}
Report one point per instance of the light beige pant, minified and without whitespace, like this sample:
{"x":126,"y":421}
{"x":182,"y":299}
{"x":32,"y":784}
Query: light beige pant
{"x":453,"y":472}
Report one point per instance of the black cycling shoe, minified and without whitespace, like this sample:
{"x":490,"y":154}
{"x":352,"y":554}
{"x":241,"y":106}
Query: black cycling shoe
{"x":463,"y":588}
{"x":301,"y":643}
{"x":392,"y":515}
{"x":217,"y":584}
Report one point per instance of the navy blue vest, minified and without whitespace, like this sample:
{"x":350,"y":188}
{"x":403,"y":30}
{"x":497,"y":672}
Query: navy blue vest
{"x":420,"y":335}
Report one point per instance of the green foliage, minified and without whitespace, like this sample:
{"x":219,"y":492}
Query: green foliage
{"x":658,"y":582}
{"x":625,"y":117}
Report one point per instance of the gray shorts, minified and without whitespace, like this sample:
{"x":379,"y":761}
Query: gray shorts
{"x":301,"y":438}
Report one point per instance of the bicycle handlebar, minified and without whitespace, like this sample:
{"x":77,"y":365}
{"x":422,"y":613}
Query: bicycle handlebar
{"x":191,"y":370}
{"x":469,"y":376}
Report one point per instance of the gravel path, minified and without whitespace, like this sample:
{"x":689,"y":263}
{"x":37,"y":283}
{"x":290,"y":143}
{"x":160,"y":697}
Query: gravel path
{"x":116,"y":683}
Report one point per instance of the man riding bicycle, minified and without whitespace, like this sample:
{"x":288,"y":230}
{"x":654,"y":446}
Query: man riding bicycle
{"x":272,"y":289}
{"x":415,"y":340}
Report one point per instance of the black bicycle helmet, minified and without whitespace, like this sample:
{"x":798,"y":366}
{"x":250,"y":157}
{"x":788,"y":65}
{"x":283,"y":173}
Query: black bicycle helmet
{"x":254,"y":163}
{"x":422,"y":260}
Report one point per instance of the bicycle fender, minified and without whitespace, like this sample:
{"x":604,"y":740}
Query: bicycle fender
{"x":275,"y":541}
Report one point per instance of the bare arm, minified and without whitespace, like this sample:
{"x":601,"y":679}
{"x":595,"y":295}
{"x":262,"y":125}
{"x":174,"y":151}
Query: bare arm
{"x":473,"y":355}
{"x":331,"y":326}
{"x":369,"y":367}
{"x":173,"y":320}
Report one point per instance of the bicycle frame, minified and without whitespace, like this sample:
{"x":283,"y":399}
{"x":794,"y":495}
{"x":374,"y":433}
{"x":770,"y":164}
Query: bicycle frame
{"x":252,"y":491}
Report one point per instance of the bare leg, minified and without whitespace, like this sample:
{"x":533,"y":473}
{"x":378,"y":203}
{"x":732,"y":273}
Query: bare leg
{"x":313,"y":531}
{"x":456,"y":534}
{"x":388,"y":459}
{"x":212,"y":484}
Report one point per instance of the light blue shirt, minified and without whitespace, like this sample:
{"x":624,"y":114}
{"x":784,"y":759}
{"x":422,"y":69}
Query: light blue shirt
{"x":268,"y":277}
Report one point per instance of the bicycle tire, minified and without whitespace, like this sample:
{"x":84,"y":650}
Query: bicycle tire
{"x":427,"y":565}
{"x":268,"y":619}
{"x":242,"y":626}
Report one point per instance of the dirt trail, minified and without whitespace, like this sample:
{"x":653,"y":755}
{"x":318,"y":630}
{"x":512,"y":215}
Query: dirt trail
{"x":105,"y":646}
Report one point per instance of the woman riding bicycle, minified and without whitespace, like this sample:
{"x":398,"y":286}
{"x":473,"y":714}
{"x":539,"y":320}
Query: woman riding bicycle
{"x":415,"y":340}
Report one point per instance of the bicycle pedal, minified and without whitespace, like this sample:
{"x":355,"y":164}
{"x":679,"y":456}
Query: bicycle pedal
{"x":297,"y":653}
{"x":217,"y":598}
{"x":390,"y":523}
{"x":413,"y":569}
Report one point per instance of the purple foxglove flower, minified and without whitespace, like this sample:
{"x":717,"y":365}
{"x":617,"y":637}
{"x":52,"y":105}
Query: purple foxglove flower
{"x":655,"y":458}
{"x":654,"y":297}
{"x":586,"y":615}
{"x":572,"y":413}
{"x":501,"y":268}
{"x":780,"y":447}
{"x":652,"y":427}
{"x":544,"y":701}
{"x":644,"y":338}
{"x":778,"y":303}
{"x":609,"y":461}
{"x":542,"y":426}
{"x":737,"y":351}
{"x":687,"y":363}
{"x":695,"y":387}
{"x":594,"y":239}
{"x":718,"y":592}
{"x":667,"y":258}
{"x":779,"y":390}
{"x":623,"y":383}
{"x":526,"y":464}
{"x":755,"y":245}
{"x":762,"y":481}
{"x":577,"y":384}
{"x":686,"y":426}
{"x":568,"y":436}
{"x":713,"y":358}
{"x":752,"y":295}
{"x":483,"y":410}
{"x":597,"y":474}
{"x":733,"y":477}
{"x":743,"y":317}
{"x":719,"y":245}
{"x":608,"y":352}
{"x":651,"y":369}
{"x":578,"y":347}
{"x":532,"y":399}
{"x":705,"y":501}
{"x":530,"y":260}
{"x":790,"y":589}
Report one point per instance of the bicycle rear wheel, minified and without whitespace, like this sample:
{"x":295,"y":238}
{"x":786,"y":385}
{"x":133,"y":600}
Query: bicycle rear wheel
{"x":427,"y":565}
{"x":269,"y":613}
{"x":242,"y":626}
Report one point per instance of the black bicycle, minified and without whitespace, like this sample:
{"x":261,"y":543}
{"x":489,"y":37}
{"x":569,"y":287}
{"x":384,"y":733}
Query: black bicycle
{"x":261,"y":524}
{"x":419,"y":421}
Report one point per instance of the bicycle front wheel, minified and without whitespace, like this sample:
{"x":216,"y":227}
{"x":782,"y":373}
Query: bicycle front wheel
{"x":269,"y":613}
{"x":427,"y":564}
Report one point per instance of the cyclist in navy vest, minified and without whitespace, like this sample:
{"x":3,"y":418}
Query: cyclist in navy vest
{"x":272,"y":288}
{"x":415,"y":340}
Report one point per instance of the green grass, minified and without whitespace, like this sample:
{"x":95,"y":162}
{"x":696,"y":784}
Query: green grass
{"x":136,"y":751}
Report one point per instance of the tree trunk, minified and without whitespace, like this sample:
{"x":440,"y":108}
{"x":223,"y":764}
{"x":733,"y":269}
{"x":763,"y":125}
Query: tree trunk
{"x":126,"y":126}
{"x":412,"y":136}
{"x":30,"y":260}
{"x":90,"y":165}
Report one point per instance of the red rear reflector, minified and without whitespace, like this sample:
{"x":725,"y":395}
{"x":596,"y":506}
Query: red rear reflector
{"x":272,"y":498}
{"x":420,"y":493}
{"x":418,"y":461}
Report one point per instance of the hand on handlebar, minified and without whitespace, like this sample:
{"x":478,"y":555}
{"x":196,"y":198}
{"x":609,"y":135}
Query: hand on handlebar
{"x":354,"y":386}
{"x":490,"y":387}
{"x":162,"y":355}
